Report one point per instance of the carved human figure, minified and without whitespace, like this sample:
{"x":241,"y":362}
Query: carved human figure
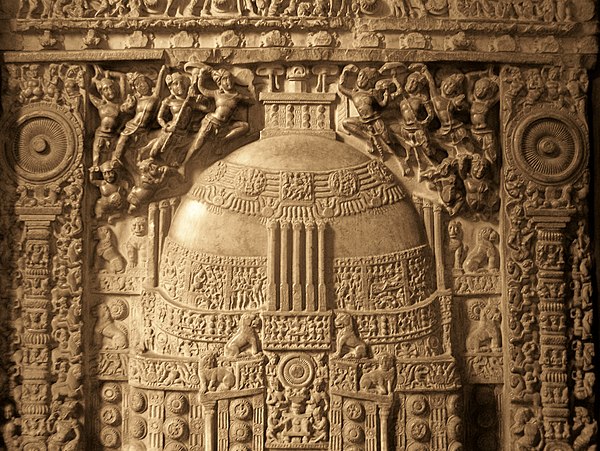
{"x":479,"y":193}
{"x":245,"y":340}
{"x":447,"y":101}
{"x":219,"y":124}
{"x":382,"y":379}
{"x":31,"y":84}
{"x":112,"y":191}
{"x":577,"y":85}
{"x":144,"y":103}
{"x":369,"y":102}
{"x":107,"y":250}
{"x":11,"y":428}
{"x":416,"y":113}
{"x":174,"y":116}
{"x":527,"y":428}
{"x":348,"y":343}
{"x":109,"y":110}
{"x":485,"y":256}
{"x":153,"y":174}
{"x":456,"y":245}
{"x":108,"y":333}
{"x":65,"y":430}
{"x":137,"y":243}
{"x":484,"y":94}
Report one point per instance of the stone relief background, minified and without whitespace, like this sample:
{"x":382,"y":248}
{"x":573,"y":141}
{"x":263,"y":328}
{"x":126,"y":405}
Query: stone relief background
{"x":252,"y":225}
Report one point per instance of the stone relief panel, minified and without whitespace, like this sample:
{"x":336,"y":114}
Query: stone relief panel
{"x":296,"y":225}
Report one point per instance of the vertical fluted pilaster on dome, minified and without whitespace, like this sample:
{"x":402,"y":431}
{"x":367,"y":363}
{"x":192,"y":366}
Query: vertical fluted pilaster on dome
{"x":309,"y":228}
{"x":296,"y":266}
{"x":321,"y":266}
{"x":284,"y":287}
{"x":272,"y":265}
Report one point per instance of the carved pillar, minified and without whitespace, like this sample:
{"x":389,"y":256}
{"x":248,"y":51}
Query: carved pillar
{"x":209,"y":412}
{"x":309,"y":228}
{"x":284,"y":284}
{"x":551,"y":288}
{"x":35,"y":338}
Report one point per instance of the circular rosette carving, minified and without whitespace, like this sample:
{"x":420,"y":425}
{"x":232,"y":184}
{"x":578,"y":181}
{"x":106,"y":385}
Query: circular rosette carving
{"x":344,"y":183}
{"x":250,"y":182}
{"x":175,"y":428}
{"x":138,"y":401}
{"x":109,"y":437}
{"x":296,"y":370}
{"x":118,"y":309}
{"x":110,"y":415}
{"x":354,"y":410}
{"x":549,"y":147}
{"x":41,"y":144}
{"x":419,"y":430}
{"x":240,"y":432}
{"x":418,"y":404}
{"x":241,"y":409}
{"x":177,"y":403}
{"x":110,"y":392}
{"x":138,"y":428}
{"x":354,"y":433}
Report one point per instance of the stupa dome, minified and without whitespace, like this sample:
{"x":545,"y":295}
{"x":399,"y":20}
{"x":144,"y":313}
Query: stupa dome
{"x":307,"y":196}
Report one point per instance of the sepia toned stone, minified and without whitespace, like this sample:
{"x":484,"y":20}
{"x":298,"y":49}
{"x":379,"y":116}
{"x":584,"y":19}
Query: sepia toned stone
{"x":296,"y":225}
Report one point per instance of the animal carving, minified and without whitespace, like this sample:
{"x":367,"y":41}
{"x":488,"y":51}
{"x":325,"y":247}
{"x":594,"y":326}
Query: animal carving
{"x":382,"y":379}
{"x":485,"y":256}
{"x":348,"y":343}
{"x":245,"y":340}
{"x":486,"y":335}
{"x":213,"y":378}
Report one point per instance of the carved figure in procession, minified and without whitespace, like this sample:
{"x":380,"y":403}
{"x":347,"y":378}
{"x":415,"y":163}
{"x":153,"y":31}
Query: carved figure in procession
{"x":480,"y":195}
{"x":175,"y":117}
{"x":484,"y":94}
{"x":152,"y":175}
{"x":112,"y":191}
{"x":416,"y":113}
{"x":219,"y":124}
{"x":144,"y":102}
{"x":447,"y":101}
{"x":369,"y":102}
{"x":109,"y":110}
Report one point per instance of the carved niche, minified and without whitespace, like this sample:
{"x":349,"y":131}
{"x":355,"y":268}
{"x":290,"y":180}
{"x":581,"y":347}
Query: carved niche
{"x":345,"y":225}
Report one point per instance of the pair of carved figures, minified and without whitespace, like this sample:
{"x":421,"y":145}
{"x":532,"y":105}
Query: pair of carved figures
{"x":404,"y":107}
{"x":131,"y":161}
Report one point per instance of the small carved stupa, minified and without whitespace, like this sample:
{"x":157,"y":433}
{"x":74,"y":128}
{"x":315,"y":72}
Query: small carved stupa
{"x":297,"y":278}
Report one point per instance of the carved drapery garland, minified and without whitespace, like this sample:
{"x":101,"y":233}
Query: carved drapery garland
{"x":545,"y":188}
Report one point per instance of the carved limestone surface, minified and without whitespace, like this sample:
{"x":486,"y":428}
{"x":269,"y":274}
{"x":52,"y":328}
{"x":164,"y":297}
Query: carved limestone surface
{"x":251,"y":225}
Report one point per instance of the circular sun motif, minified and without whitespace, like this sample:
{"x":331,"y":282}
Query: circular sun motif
{"x":354,"y":410}
{"x":354,"y":433}
{"x":110,"y":415}
{"x":241,"y":409}
{"x":118,"y":309}
{"x":109,"y":437}
{"x":418,"y":404}
{"x":175,"y":428}
{"x":296,"y":370}
{"x":138,"y":428}
{"x":548,"y":147}
{"x":177,"y":403}
{"x":138,"y":401}
{"x":240,"y":432}
{"x":110,"y":392}
{"x":41,"y":144}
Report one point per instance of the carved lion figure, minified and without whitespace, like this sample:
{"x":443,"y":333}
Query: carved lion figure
{"x":213,"y":378}
{"x":485,"y":256}
{"x":245,"y":340}
{"x":381,"y":380}
{"x":348,"y":343}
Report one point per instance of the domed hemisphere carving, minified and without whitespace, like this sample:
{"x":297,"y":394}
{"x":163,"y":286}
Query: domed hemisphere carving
{"x":549,"y":147}
{"x":42,"y":142}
